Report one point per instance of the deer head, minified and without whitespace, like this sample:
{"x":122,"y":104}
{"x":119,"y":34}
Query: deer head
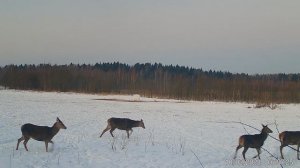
{"x":60,"y":124}
{"x":142,"y":124}
{"x":266,"y":129}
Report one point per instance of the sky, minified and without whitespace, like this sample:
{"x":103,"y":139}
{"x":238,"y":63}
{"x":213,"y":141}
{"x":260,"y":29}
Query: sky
{"x":239,"y":36}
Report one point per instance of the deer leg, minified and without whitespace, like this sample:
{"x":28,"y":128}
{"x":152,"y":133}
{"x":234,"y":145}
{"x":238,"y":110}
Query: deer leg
{"x":46,"y":144}
{"x":127,"y":133}
{"x":281,"y":147}
{"x":19,"y":140}
{"x":236,"y":150}
{"x":106,"y":129}
{"x":111,"y":131}
{"x":244,"y":152}
{"x":298,"y":152}
{"x":258,"y":153}
{"x":25,"y":143}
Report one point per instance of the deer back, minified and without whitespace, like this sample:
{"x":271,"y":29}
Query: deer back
{"x":256,"y":140}
{"x":290,"y":137}
{"x":253,"y":141}
{"x":123,"y":123}
{"x":40,"y":133}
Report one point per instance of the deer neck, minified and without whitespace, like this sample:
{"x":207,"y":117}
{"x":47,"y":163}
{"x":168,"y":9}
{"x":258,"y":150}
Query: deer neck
{"x":136,"y":124}
{"x":54,"y":129}
{"x":264,"y":135}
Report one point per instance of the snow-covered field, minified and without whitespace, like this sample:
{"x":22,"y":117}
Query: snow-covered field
{"x":178,"y":133}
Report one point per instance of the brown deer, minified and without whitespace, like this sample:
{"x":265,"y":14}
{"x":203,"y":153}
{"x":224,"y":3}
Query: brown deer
{"x":253,"y":141}
{"x":122,"y":124}
{"x":40,"y":133}
{"x":289,"y":138}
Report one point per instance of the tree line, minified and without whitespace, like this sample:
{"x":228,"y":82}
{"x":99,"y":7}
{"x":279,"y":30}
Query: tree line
{"x":154,"y":80}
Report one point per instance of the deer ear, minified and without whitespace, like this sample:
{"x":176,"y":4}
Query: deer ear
{"x":57,"y":119}
{"x":263,"y":125}
{"x":141,"y":119}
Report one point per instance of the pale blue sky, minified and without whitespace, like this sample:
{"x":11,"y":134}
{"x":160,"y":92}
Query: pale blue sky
{"x":251,"y":36}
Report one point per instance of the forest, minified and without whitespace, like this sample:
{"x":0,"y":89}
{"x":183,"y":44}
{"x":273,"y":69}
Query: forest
{"x":154,"y":80}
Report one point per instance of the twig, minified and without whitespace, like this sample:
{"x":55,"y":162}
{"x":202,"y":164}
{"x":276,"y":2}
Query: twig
{"x":273,"y":156}
{"x":197,"y":158}
{"x":13,"y":152}
{"x":58,"y":159}
{"x":78,"y":158}
{"x":10,"y":161}
{"x":276,"y":125}
{"x":245,"y":128}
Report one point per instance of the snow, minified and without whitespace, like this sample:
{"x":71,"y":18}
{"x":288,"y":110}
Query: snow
{"x":177,"y":133}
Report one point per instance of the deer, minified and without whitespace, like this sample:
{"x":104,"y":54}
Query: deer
{"x":40,"y":133}
{"x":289,"y":138}
{"x":253,"y":141}
{"x":122,"y":124}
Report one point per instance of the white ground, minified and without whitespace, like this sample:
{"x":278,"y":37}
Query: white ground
{"x":176,"y":132}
